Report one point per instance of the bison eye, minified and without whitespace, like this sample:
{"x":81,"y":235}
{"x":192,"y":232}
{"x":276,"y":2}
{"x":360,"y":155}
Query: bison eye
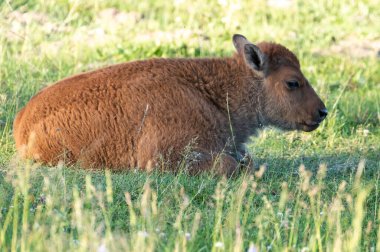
{"x":293,"y":84}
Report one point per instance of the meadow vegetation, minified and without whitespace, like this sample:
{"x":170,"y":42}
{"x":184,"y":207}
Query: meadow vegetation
{"x":314,"y":191}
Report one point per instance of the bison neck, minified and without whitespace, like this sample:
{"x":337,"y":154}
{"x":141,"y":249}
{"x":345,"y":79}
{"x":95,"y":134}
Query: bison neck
{"x":230,"y":86}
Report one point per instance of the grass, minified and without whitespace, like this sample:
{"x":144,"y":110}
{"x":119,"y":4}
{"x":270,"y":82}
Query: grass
{"x":318,"y":191}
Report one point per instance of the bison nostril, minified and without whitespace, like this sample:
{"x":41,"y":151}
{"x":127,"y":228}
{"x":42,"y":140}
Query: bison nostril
{"x":323,"y":113}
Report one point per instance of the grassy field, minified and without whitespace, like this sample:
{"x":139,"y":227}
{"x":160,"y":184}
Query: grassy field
{"x":316,"y":191}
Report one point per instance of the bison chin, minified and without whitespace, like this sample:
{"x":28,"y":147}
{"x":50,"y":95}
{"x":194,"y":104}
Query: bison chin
{"x":307,"y":127}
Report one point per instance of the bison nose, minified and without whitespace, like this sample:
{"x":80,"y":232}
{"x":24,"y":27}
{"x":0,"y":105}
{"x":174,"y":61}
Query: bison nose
{"x":322,"y":113}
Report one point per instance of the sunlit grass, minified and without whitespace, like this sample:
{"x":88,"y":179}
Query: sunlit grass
{"x":320,"y":191}
{"x":89,"y":212}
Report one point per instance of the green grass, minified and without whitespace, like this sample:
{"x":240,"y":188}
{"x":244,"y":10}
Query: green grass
{"x":320,"y":191}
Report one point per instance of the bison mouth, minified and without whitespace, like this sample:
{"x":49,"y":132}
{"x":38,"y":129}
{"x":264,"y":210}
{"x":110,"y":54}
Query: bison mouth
{"x":309,"y":126}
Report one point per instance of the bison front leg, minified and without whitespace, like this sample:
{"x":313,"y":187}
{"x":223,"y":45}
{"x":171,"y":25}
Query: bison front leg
{"x":245,"y":160}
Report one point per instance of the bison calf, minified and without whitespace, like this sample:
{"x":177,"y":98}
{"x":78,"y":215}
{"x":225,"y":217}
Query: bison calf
{"x":131,"y":114}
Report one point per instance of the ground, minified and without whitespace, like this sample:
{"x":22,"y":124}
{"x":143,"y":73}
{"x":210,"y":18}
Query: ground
{"x":314,"y":191}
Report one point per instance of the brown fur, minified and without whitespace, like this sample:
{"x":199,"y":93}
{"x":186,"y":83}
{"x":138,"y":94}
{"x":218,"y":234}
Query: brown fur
{"x":130,"y":114}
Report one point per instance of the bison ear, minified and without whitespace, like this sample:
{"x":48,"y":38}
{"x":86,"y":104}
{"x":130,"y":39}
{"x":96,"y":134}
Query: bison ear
{"x":254,"y":57}
{"x":252,"y":54}
{"x":239,"y":42}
